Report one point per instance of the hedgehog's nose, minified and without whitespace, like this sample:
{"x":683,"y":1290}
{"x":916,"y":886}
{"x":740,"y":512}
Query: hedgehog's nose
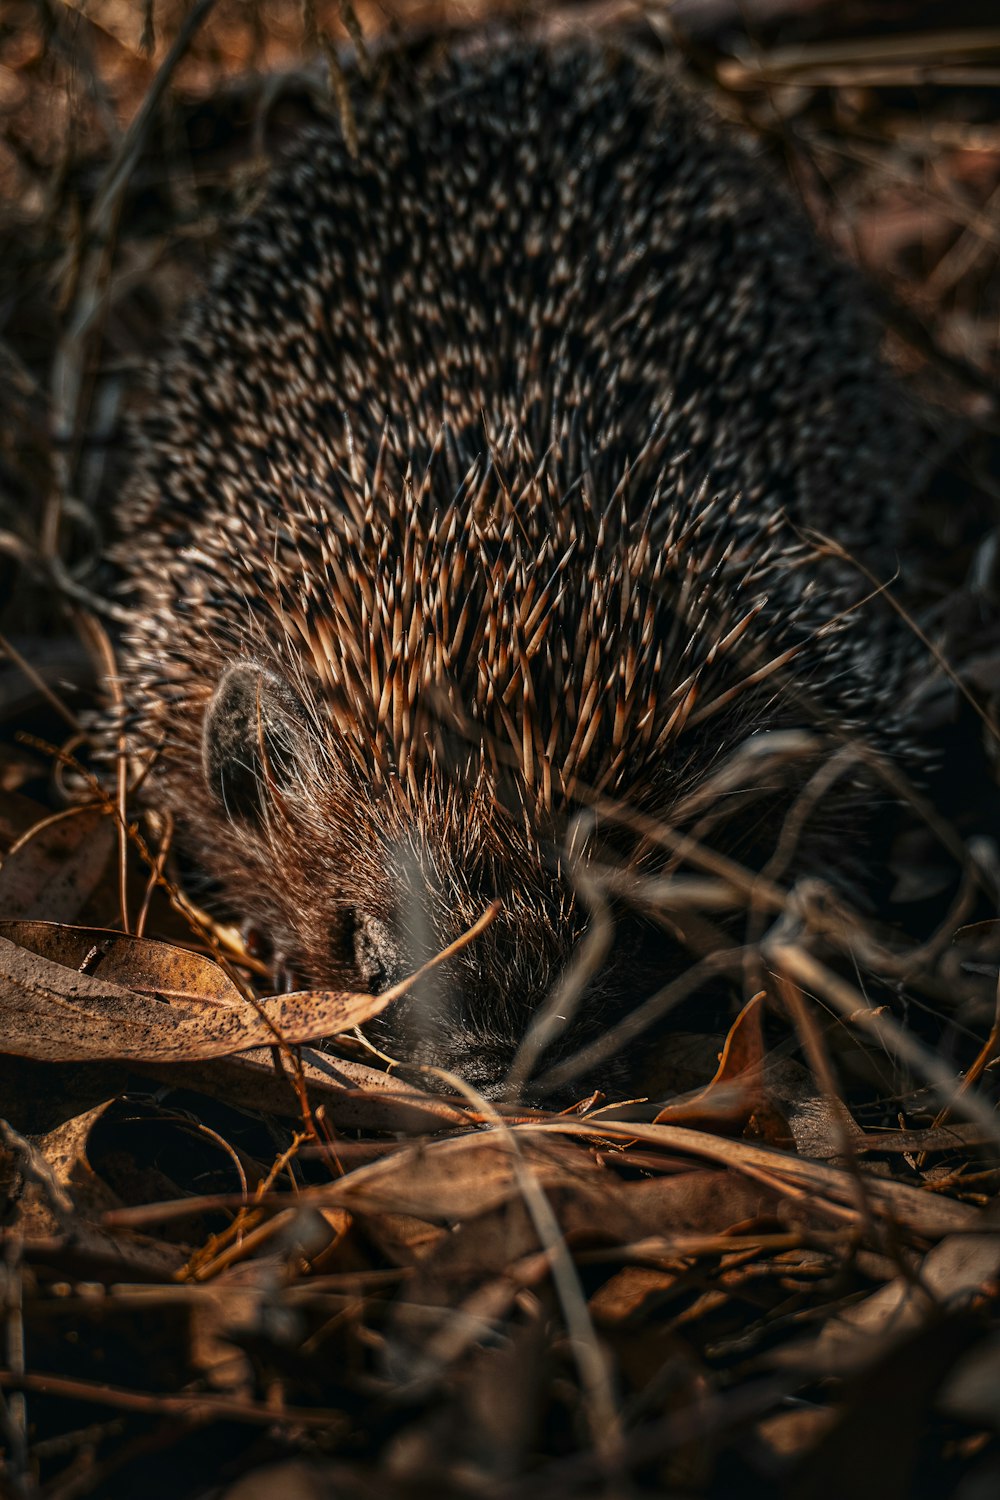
{"x":484,"y":1068}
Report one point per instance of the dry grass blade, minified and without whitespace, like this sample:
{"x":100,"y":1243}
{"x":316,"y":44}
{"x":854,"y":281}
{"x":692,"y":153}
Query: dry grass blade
{"x":898,"y":58}
{"x":240,"y":1264}
{"x":793,"y":960}
{"x":920,"y":1212}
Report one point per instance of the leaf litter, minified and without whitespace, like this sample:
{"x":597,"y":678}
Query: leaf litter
{"x":243,"y":1255}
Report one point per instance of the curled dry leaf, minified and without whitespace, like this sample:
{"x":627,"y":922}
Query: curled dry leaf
{"x":739,"y":1093}
{"x":69,"y":994}
{"x":54,"y":1196}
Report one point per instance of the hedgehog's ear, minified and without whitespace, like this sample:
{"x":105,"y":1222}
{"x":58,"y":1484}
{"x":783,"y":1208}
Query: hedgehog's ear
{"x":253,"y":740}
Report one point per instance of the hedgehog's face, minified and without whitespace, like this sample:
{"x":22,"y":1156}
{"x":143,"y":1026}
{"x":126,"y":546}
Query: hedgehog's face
{"x":357,"y":888}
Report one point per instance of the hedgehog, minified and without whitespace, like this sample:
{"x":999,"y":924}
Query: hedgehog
{"x":525,"y":457}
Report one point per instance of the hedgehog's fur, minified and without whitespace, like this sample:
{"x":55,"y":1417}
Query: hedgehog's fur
{"x":488,"y":468}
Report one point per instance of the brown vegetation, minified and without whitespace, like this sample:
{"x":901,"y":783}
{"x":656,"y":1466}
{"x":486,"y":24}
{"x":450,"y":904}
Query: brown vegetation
{"x":238,"y":1264}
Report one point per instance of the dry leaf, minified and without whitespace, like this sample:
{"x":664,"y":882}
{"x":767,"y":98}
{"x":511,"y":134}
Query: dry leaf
{"x":58,"y":869}
{"x":186,"y":1011}
{"x":739,"y":1091}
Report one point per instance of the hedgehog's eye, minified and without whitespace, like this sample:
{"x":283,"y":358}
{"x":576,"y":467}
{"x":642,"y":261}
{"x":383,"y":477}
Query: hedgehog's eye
{"x":253,"y":739}
{"x":376,"y":953}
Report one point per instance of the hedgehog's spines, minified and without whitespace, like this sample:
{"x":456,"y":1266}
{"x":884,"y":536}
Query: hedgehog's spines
{"x":494,"y":442}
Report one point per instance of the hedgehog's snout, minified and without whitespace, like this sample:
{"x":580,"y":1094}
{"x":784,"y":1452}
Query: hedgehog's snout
{"x":377,"y":955}
{"x":468,"y":1015}
{"x":449,"y":1038}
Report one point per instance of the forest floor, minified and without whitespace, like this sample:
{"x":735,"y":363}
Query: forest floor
{"x":237,"y":1265}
